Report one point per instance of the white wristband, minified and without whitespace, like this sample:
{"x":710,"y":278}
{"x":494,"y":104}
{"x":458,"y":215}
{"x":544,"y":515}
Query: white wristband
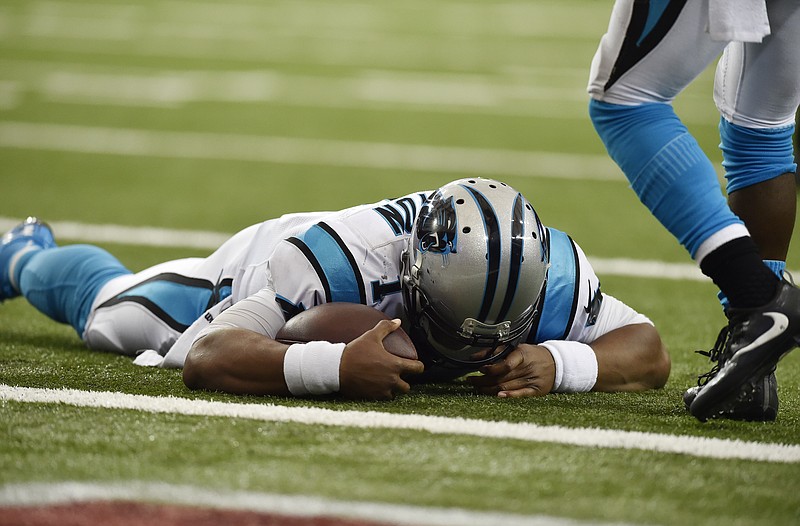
{"x":312,"y":368}
{"x":576,"y":366}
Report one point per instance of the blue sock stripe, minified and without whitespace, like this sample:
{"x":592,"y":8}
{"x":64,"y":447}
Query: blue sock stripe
{"x":776,"y":266}
{"x":655,"y":179}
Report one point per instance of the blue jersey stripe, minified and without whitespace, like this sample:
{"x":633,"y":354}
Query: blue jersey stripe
{"x":560,"y":298}
{"x":336,"y":263}
{"x":655,"y":11}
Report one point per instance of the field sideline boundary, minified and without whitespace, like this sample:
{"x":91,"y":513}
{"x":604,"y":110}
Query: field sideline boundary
{"x":208,"y":240}
{"x":37,"y":494}
{"x":694,"y":446}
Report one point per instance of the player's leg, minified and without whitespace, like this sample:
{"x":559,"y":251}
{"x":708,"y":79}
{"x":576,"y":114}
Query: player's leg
{"x":646,"y":59}
{"x":649,"y":55}
{"x":758,"y":91}
{"x":107,"y":305}
{"x":152,"y":308}
{"x":69,"y":283}
{"x":761,"y":191}
{"x":61,"y":282}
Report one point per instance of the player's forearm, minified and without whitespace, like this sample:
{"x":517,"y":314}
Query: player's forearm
{"x":631,"y":358}
{"x":236,"y":361}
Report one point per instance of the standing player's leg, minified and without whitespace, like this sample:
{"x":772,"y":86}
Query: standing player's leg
{"x":651,"y":52}
{"x":757,"y":91}
{"x":648,"y":56}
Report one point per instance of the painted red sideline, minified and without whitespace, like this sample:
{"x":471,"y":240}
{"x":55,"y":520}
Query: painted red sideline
{"x":126,"y":513}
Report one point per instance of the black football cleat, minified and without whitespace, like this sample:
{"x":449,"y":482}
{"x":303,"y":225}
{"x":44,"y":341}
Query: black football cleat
{"x":758,"y":339}
{"x":760,"y":406}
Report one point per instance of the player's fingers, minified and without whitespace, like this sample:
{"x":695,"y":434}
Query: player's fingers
{"x":384,"y":328}
{"x":409,"y":366}
{"x":483,"y":380}
{"x":492,"y":386}
{"x":504,"y":366}
{"x":402,"y":387}
{"x":489,"y":390}
{"x":517,"y":383}
{"x":520,"y":393}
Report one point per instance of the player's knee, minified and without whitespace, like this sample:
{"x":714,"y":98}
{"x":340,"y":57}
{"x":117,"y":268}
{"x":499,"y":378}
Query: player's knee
{"x":754,"y":155}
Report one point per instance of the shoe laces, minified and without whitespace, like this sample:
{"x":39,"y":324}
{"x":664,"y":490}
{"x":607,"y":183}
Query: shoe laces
{"x":716,"y":354}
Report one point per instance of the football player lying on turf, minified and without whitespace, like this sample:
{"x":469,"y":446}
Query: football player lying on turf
{"x":479,"y":283}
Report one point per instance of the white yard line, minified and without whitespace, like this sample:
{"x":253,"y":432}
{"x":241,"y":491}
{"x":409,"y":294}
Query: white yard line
{"x":288,"y":505}
{"x":530,"y":92}
{"x":164,"y":237}
{"x":309,"y":152}
{"x":583,"y":437}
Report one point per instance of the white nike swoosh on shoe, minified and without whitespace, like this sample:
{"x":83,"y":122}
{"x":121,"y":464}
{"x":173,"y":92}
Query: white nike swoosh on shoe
{"x":780,"y":323}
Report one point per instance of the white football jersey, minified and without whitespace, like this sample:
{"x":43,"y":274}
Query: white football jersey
{"x":269,"y":272}
{"x":354,"y":256}
{"x":350,"y":256}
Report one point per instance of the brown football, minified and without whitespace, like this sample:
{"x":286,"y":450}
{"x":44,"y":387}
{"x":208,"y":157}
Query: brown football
{"x":342,"y":323}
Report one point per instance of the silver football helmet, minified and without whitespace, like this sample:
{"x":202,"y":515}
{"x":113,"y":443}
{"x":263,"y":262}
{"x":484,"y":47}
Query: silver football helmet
{"x":474,"y":271}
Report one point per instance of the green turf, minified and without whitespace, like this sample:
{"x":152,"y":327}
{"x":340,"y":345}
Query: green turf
{"x":473,"y":74}
{"x":392,"y":466}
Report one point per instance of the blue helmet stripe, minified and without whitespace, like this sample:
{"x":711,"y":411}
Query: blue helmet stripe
{"x":493,"y":251}
{"x":517,"y":244}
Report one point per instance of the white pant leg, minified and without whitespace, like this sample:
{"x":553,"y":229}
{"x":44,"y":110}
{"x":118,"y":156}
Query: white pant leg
{"x":130,"y":326}
{"x":757,"y":85}
{"x":683,"y":52}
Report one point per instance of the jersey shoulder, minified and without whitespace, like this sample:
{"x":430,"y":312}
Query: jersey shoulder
{"x":572,"y":295}
{"x":351,"y":256}
{"x":387,"y":219}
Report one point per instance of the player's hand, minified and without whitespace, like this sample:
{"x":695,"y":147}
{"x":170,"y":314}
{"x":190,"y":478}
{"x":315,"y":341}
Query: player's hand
{"x":369,"y":371}
{"x":528,"y":370}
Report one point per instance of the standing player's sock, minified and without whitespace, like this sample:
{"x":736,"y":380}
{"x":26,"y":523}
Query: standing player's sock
{"x":669,"y":172}
{"x":738,"y":270}
{"x":776,"y":266}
